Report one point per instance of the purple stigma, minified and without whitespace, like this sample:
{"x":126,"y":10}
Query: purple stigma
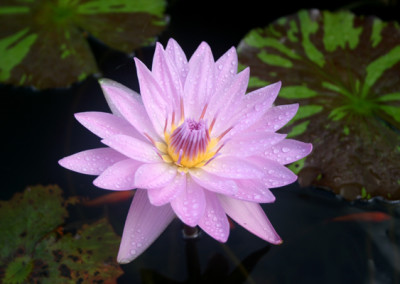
{"x":191,"y":137}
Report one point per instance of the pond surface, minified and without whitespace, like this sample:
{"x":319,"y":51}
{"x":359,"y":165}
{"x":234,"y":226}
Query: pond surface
{"x":39,"y":128}
{"x":316,"y":248}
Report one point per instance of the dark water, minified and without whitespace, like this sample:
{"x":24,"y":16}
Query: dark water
{"x":316,"y":249}
{"x":38,"y":128}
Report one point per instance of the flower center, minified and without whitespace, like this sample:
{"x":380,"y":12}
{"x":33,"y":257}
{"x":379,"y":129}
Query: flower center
{"x":189,"y":144}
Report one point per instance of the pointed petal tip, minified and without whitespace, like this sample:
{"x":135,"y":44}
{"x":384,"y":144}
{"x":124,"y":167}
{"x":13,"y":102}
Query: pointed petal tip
{"x":245,"y":71}
{"x":66,"y":163}
{"x":77,"y":115}
{"x":278,"y":241}
{"x":104,"y":82}
{"x":62,"y":162}
{"x":124,"y":260}
{"x":172,"y":41}
{"x":137,"y":61}
{"x":97,"y":183}
{"x":107,"y":85}
{"x":270,"y":236}
{"x":141,"y":68}
{"x":295,"y":107}
{"x":159,"y":46}
{"x":223,"y":239}
{"x":232,"y":48}
{"x":204,"y":44}
{"x":81,"y":117}
{"x":277,"y":85}
{"x":202,"y":50}
{"x":310,"y":148}
{"x":272,"y":199}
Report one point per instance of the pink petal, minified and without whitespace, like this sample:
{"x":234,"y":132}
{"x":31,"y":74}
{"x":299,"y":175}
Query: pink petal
{"x":251,"y":143}
{"x":164,"y":195}
{"x":213,"y":182}
{"x":169,"y":80}
{"x":214,"y":221}
{"x":226,"y":69}
{"x":250,"y":216}
{"x":262,"y":98}
{"x":92,"y":162}
{"x":133,"y":148}
{"x":143,"y":225}
{"x":154,"y":97}
{"x":233,"y":167}
{"x":189,"y":206}
{"x":119,"y":176}
{"x":199,"y":84}
{"x":156,"y":175}
{"x":277,"y":117}
{"x":231,"y":102}
{"x":275,"y":174}
{"x":253,"y":107}
{"x":224,"y":104}
{"x":178,"y":58}
{"x":288,"y":151}
{"x":105,"y":124}
{"x":128,"y":104}
{"x":253,"y":191}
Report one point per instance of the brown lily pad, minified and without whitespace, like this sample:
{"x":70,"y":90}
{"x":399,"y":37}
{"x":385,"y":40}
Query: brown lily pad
{"x":44,"y":43}
{"x":38,"y":251}
{"x":343,"y":70}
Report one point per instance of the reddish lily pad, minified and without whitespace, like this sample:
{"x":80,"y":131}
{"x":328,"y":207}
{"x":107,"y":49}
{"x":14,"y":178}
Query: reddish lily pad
{"x":343,"y":70}
{"x":43,"y":43}
{"x":37,"y":251}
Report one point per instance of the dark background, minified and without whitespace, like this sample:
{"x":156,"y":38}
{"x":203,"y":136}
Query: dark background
{"x":38,"y":127}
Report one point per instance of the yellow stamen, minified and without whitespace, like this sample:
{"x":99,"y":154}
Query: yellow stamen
{"x":161,"y":147}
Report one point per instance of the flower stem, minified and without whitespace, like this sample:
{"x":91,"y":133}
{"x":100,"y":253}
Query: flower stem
{"x":190,"y":232}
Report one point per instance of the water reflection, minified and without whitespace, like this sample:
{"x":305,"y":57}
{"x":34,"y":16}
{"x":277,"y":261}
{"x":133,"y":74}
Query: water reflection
{"x":217,"y":269}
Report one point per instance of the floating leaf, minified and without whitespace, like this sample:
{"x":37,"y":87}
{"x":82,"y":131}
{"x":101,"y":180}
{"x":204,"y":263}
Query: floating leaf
{"x":43,"y":43}
{"x":28,"y":217}
{"x":35,"y":252}
{"x":343,"y":70}
{"x":86,"y":257}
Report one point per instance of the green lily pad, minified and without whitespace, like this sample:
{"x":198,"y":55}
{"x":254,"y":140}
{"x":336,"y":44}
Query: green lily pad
{"x":44,"y":43}
{"x":343,"y":70}
{"x":37,"y":251}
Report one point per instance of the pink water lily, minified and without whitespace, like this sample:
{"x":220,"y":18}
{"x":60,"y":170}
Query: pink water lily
{"x":193,"y":144}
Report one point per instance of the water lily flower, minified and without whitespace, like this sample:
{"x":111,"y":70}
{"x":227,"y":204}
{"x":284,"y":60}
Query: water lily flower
{"x":193,"y":144}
